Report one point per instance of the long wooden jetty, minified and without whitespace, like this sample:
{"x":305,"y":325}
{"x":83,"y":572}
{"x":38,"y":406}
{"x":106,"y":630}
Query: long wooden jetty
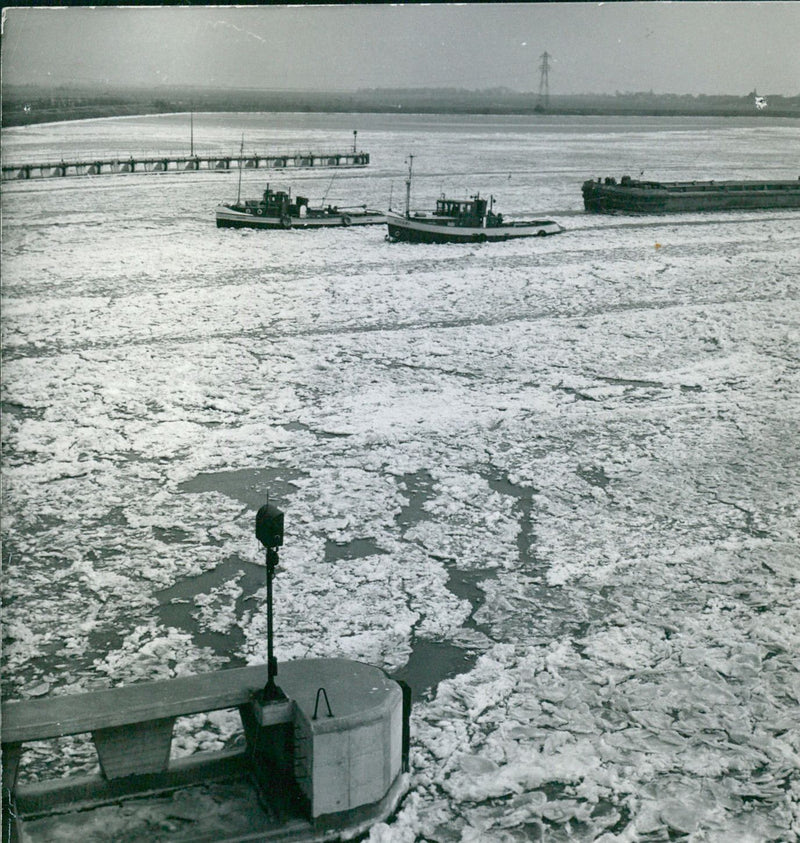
{"x":182,"y":162}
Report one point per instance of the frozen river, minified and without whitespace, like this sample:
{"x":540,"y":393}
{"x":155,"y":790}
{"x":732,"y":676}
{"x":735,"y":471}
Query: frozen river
{"x":552,"y":483}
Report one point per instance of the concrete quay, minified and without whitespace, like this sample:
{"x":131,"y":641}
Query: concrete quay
{"x":323,"y":759}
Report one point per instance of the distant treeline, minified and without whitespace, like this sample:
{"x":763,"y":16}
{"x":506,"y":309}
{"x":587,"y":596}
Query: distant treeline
{"x":31,"y":104}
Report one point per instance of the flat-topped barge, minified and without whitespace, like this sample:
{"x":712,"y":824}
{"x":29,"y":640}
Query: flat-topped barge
{"x":631,"y":196}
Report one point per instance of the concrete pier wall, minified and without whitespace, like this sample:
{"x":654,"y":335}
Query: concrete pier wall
{"x":350,"y":757}
{"x":338,"y":738}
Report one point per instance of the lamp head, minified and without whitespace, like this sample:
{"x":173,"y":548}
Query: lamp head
{"x":269,"y":526}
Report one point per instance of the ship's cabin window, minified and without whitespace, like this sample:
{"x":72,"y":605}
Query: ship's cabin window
{"x":276,"y":199}
{"x":454,"y":207}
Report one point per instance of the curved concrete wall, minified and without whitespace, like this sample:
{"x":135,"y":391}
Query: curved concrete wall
{"x":349,"y":758}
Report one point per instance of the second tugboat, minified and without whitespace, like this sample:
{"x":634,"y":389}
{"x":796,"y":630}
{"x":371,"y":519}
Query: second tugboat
{"x":277,"y":209}
{"x":461,"y":221}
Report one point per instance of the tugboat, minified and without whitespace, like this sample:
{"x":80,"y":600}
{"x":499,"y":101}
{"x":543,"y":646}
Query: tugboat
{"x":277,"y":209}
{"x":631,"y":196}
{"x":461,"y":221}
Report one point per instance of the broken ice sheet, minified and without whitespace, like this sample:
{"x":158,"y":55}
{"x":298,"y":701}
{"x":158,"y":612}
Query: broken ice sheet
{"x":152,"y":652}
{"x":309,"y":623}
{"x":645,"y":398}
{"x":216,"y":611}
{"x":207,"y":732}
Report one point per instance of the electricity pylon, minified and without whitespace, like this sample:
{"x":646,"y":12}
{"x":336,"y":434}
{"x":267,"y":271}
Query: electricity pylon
{"x":544,"y":81}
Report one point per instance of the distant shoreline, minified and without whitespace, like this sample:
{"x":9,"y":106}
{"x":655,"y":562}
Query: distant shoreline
{"x":32,"y":104}
{"x":12,"y":118}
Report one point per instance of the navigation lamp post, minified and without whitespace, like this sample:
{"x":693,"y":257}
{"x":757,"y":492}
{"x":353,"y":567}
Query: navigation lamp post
{"x":269,"y":531}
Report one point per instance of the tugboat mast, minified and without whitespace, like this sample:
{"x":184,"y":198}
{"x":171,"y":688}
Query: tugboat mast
{"x":408,"y":186}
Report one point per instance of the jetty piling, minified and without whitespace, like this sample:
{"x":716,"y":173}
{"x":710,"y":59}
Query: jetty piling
{"x":182,"y":162}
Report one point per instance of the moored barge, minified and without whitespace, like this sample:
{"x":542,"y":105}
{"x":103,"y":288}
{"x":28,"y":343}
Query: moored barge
{"x":631,"y":196}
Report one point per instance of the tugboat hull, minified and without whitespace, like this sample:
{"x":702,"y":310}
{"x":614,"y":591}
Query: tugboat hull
{"x":228,"y":217}
{"x":428,"y":230}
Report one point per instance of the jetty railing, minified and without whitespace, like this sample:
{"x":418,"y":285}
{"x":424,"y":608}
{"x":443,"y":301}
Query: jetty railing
{"x":136,"y":717}
{"x":180,"y":162}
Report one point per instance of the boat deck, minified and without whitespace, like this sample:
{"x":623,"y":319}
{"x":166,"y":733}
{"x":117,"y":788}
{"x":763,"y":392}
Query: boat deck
{"x":634,"y":196}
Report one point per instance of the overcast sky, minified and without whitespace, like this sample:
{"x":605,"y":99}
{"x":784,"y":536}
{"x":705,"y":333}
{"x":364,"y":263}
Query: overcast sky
{"x":695,"y":48}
